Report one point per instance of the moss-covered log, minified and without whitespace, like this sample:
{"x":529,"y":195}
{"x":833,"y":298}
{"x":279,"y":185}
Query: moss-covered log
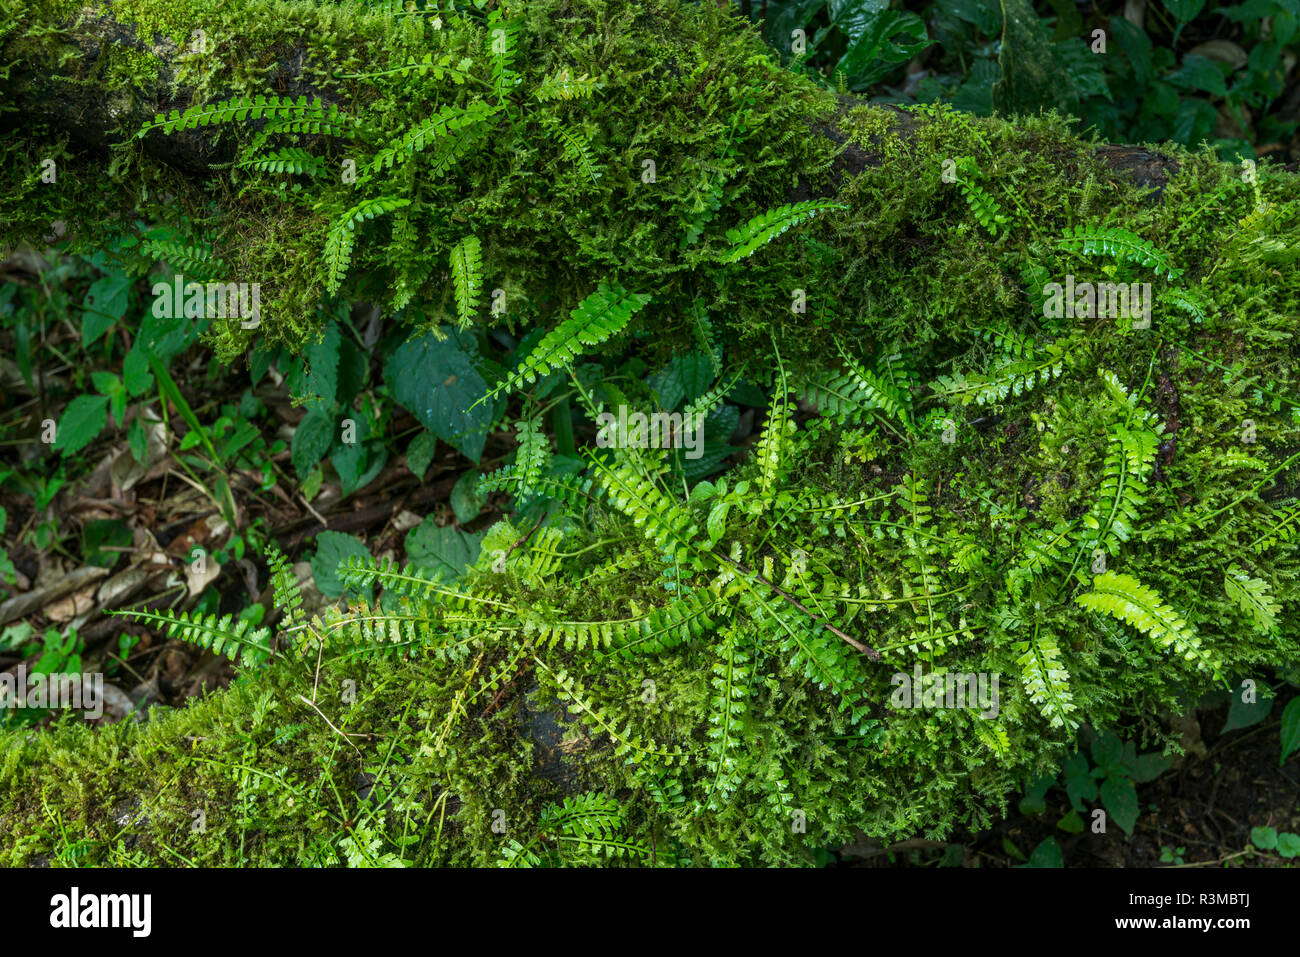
{"x":1024,"y":446}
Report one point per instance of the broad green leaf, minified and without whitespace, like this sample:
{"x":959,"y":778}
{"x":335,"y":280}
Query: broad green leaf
{"x":1148,"y":767}
{"x":135,"y":372}
{"x":108,"y":384}
{"x":442,"y":550}
{"x":1121,"y":801}
{"x":1199,"y":73}
{"x":1046,"y":854}
{"x":684,"y":379}
{"x":436,"y":380}
{"x":884,"y":40}
{"x":313,"y":437}
{"x":323,"y":366}
{"x":104,"y":305}
{"x":1290,"y":729}
{"x":81,"y":421}
{"x":1136,"y":46}
{"x":331,"y":549}
{"x":465,"y":501}
{"x":419,"y":453}
{"x":1184,"y":10}
{"x":1243,"y":715}
{"x":1071,"y":823}
{"x":1265,"y":838}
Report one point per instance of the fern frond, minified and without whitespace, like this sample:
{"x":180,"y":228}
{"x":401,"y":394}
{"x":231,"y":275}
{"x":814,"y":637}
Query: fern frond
{"x":1282,"y":531}
{"x":241,"y":108}
{"x":598,"y":317}
{"x":988,"y":213}
{"x":1045,"y":679}
{"x":566,"y":85}
{"x":821,"y":657}
{"x":285,"y":590}
{"x":1119,"y":244}
{"x":661,"y":518}
{"x":426,"y":66}
{"x":1252,"y":597}
{"x":338,"y":246}
{"x":577,"y":148}
{"x":1126,"y":598}
{"x":1114,"y":515}
{"x":747,"y":239}
{"x":290,"y":159}
{"x":711,"y":400}
{"x":532,"y":456}
{"x":1012,"y":378}
{"x":438,"y":129}
{"x":772,"y":451}
{"x":730,"y":683}
{"x":236,"y":639}
{"x":467,"y":278}
{"x":503,"y":36}
{"x":194,"y":261}
{"x":877,"y":390}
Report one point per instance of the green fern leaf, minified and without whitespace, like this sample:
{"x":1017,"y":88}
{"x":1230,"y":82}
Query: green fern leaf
{"x":338,"y":246}
{"x":1119,"y":244}
{"x":1126,"y":598}
{"x":235,"y":638}
{"x":758,"y":232}
{"x":467,"y":278}
{"x":1252,"y":597}
{"x":598,"y":317}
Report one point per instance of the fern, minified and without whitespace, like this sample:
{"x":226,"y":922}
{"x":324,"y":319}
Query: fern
{"x":338,"y":246}
{"x":758,"y":232}
{"x":572,"y":831}
{"x":577,"y":148}
{"x":1252,"y":596}
{"x":730,"y":682}
{"x":1126,"y":598}
{"x":598,"y":317}
{"x":566,"y":85}
{"x":984,"y":207}
{"x":1119,"y":244}
{"x":440,"y":129}
{"x":773,"y":447}
{"x":503,"y":36}
{"x":287,"y":160}
{"x":1281,"y":531}
{"x":1045,"y":679}
{"x":662,"y":520}
{"x":467,"y":278}
{"x":197,"y":262}
{"x":235,"y":638}
{"x":425,"y":66}
{"x":1012,"y":378}
{"x":285,"y":590}
{"x":242,"y":108}
{"x":1115,"y":513}
{"x":532,"y":457}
